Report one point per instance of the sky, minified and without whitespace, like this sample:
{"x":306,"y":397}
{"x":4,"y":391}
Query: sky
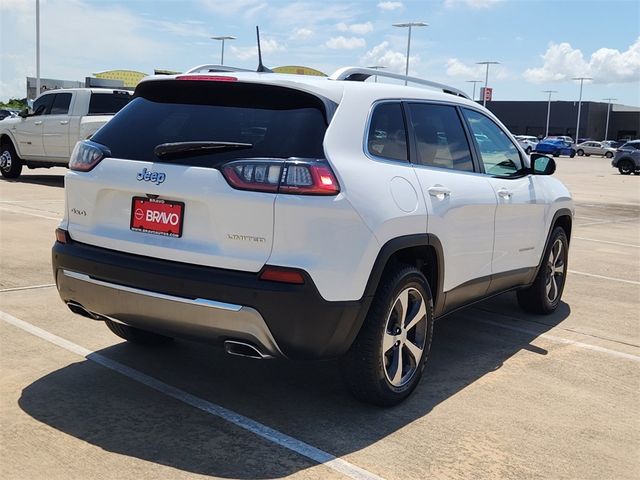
{"x":540,"y":44}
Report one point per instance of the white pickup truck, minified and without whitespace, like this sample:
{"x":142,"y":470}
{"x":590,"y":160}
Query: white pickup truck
{"x":44,"y":135}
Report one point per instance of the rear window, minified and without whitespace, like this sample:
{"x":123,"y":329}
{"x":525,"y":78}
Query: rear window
{"x":108,"y":103}
{"x":278,"y":122}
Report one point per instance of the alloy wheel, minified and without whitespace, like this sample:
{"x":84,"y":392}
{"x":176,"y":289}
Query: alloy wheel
{"x":404,"y":337}
{"x":556,"y":270}
{"x":5,"y":161}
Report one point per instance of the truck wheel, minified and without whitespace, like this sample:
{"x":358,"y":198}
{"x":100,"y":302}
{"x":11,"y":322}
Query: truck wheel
{"x":625,"y":167}
{"x":386,"y":361}
{"x":544,"y":295}
{"x":10,"y":163}
{"x":135,"y":335}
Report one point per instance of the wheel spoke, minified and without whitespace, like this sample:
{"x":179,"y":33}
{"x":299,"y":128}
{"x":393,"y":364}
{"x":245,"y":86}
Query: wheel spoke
{"x":558,"y":252}
{"x":547,"y":286}
{"x":395,"y":372}
{"x":404,"y":303}
{"x":554,"y":288}
{"x":414,"y":350}
{"x":419,"y":315}
{"x":388,"y":341}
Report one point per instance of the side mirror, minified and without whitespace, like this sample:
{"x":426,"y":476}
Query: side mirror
{"x":542,"y":165}
{"x":24,"y":113}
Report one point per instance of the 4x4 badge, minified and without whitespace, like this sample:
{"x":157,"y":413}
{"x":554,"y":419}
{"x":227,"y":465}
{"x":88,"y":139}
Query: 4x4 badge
{"x":149,"y":176}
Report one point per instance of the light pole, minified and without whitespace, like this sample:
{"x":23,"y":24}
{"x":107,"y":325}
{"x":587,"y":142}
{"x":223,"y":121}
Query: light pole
{"x":473,"y":97}
{"x":606,"y":128}
{"x":409,"y":25}
{"x":376,"y":67}
{"x":582,"y":79}
{"x":546,"y":132}
{"x":486,"y":80}
{"x":223,"y":38}
{"x":37,"y":48}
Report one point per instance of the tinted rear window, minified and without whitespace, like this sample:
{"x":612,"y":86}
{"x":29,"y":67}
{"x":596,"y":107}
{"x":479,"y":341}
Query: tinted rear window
{"x":278,"y":122}
{"x":107,"y":103}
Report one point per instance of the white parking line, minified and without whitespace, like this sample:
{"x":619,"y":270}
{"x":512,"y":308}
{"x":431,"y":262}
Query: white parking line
{"x":246,"y":423}
{"x":21,"y":212}
{"x":588,"y":224}
{"x":588,"y":346}
{"x":632,"y":282}
{"x":30,"y":287}
{"x":607,"y":241}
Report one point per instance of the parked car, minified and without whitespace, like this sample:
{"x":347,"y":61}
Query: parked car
{"x":44,"y":135}
{"x":564,"y":138}
{"x":527,"y":142}
{"x":627,"y":159}
{"x":556,"y":148}
{"x":298,"y":217}
{"x":612,"y":143}
{"x":595,"y":148}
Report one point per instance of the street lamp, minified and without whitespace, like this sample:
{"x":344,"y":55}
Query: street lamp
{"x":473,"y":97}
{"x":606,"y":129}
{"x":582,"y":79}
{"x":376,"y":67}
{"x":37,"y":48}
{"x":548,"y":109}
{"x":223,"y":38}
{"x":409,"y":25}
{"x":486,"y":80}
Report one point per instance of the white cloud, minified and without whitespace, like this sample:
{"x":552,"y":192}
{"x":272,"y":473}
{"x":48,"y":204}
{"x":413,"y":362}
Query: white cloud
{"x":301,"y":34}
{"x":268,"y":45}
{"x":606,"y":65}
{"x":390,"y":5}
{"x":457,"y":68}
{"x":227,"y":8}
{"x":382,"y":55}
{"x":476,"y":4}
{"x":357,"y":28}
{"x":345,"y":43}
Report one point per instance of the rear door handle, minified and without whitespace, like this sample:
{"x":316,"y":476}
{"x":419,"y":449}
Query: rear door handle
{"x":439,"y":192}
{"x":64,"y":122}
{"x":39,"y":122}
{"x":504,"y":193}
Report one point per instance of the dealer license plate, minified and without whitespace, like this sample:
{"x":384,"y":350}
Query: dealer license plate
{"x":160,"y":217}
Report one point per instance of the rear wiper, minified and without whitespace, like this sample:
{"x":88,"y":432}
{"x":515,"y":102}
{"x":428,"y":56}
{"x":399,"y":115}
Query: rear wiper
{"x":177,"y":148}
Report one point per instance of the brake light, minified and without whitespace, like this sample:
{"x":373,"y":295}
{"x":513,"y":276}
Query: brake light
{"x":296,"y":177}
{"x":207,"y":78}
{"x":86,"y":155}
{"x":62,"y":236}
{"x":282,"y":275}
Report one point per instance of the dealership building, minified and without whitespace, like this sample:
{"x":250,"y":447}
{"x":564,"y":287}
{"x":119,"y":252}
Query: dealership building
{"x":530,"y":118}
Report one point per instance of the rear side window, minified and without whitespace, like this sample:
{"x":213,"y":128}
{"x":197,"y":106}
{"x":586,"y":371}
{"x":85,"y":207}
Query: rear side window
{"x":440,"y":138}
{"x":107,"y":103}
{"x":61,"y":104}
{"x":387,"y":137}
{"x":277,"y":122}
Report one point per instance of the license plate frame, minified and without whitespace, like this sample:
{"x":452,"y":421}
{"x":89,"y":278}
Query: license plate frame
{"x":163,"y":222}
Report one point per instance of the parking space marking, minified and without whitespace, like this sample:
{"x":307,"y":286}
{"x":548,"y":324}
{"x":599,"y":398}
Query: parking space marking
{"x":603,"y":277}
{"x":587,"y":346}
{"x":607,"y":241}
{"x":30,"y":287}
{"x":246,"y":423}
{"x":588,"y":224}
{"x":10,"y":210}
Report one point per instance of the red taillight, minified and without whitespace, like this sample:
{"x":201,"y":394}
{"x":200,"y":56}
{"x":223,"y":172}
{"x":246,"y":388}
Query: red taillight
{"x":86,"y":155}
{"x":282,"y":275}
{"x":207,"y":78}
{"x":62,"y":236}
{"x":296,"y":177}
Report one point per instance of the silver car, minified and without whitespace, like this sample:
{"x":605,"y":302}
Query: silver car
{"x":527,"y":142}
{"x":627,"y":159}
{"x":595,"y":148}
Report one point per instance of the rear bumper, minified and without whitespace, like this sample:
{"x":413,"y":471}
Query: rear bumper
{"x":206,"y":304}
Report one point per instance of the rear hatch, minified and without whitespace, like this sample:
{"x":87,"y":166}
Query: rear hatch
{"x":160,"y":190}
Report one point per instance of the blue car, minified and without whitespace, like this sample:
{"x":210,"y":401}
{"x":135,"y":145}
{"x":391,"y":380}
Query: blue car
{"x":556,"y":148}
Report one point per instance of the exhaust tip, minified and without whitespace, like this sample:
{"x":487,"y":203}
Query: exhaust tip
{"x":243,"y":349}
{"x":80,"y":310}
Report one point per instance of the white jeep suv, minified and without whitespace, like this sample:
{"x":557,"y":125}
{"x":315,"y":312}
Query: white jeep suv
{"x":301,"y":217}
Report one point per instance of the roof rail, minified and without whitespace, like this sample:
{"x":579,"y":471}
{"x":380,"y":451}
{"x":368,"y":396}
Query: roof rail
{"x":206,"y":68}
{"x":360,"y":74}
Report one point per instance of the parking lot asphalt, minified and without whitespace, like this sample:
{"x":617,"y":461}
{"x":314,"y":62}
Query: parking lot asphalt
{"x":505,"y":394}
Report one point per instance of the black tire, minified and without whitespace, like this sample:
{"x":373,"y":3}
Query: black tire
{"x":135,"y":335}
{"x":572,"y":154}
{"x":366,"y":368}
{"x":556,"y":154}
{"x":536,"y":298}
{"x":10,"y":162}
{"x":608,"y":155}
{"x":626,"y":167}
{"x":580,"y":152}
